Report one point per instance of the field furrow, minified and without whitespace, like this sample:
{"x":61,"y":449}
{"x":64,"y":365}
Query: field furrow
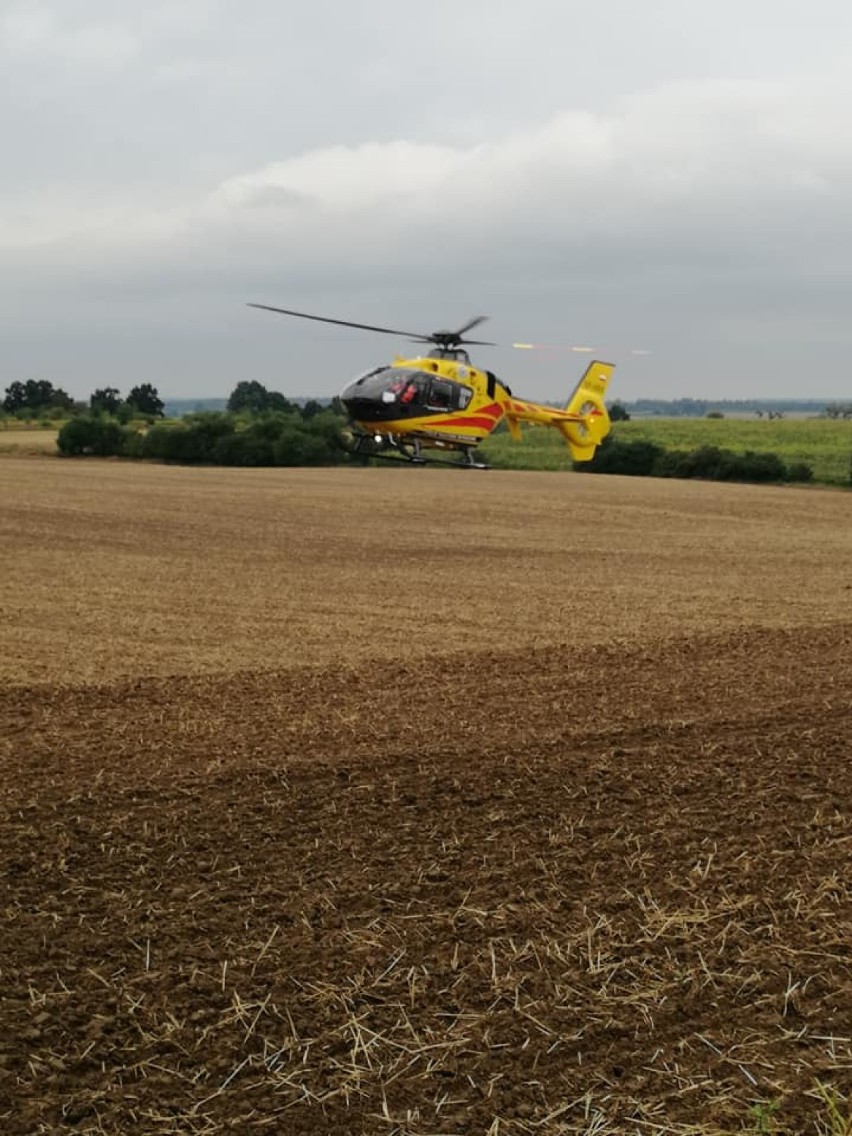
{"x":526,"y":810}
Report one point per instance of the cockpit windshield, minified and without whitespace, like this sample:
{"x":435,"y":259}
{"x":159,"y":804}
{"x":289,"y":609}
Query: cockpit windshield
{"x":397,"y":392}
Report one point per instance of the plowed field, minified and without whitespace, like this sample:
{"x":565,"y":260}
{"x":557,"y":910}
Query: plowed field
{"x":420,"y":802}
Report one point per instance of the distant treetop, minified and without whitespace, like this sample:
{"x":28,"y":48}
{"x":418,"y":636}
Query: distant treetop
{"x":253,"y":396}
{"x":35,"y":394}
{"x":146,"y":400}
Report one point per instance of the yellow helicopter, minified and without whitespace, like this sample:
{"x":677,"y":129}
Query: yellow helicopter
{"x":440,"y":402}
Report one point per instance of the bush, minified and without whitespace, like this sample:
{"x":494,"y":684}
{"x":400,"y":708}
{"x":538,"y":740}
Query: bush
{"x":134,"y":445}
{"x":761,"y":467}
{"x":270,"y":425}
{"x":712,"y":464}
{"x":192,"y":442}
{"x":125,"y":413}
{"x":92,"y":434}
{"x":800,"y":471}
{"x":632,"y":459}
{"x":301,"y":447}
{"x":707,"y":462}
{"x":246,"y":449}
{"x":273,"y":438}
{"x":155,"y":443}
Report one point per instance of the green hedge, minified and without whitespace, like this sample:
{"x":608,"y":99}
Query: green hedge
{"x":709,"y":463}
{"x":288,"y":439}
{"x":213,"y":439}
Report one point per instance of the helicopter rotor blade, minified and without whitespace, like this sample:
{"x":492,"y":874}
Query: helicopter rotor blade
{"x":577,"y":348}
{"x":416,"y":336}
{"x":470,"y":325}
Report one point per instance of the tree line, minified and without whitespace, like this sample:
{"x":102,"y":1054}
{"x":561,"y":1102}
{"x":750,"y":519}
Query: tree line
{"x":40,"y":397}
{"x":701,"y":407}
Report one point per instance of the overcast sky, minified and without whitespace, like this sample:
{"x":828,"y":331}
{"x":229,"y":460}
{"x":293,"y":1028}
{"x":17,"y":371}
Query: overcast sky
{"x":670,"y":175}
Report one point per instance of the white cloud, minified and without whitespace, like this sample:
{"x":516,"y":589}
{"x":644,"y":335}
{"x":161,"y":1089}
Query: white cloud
{"x":743,"y":164}
{"x":690,"y":172}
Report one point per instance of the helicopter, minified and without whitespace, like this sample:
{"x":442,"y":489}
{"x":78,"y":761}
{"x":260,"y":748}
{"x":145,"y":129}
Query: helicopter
{"x":420,"y":408}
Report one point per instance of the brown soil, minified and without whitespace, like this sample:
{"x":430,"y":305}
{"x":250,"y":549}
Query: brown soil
{"x":111,"y":569}
{"x":426,"y":807}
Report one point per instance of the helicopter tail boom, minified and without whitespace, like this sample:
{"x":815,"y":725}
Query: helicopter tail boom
{"x":584,"y":423}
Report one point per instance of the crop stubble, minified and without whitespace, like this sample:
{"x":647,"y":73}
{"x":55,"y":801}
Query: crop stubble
{"x":404,"y":801}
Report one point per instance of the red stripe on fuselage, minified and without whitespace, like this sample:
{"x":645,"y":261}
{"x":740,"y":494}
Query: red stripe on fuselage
{"x":461,"y":420}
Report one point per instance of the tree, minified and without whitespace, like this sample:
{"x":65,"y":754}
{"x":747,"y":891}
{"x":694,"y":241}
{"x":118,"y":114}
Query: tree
{"x":253,"y":397}
{"x":35,"y":394}
{"x":42,"y":395}
{"x":146,"y":400}
{"x":16,"y":398}
{"x":250,"y":396}
{"x":618,"y":413}
{"x":106,"y":400}
{"x":277,"y":401}
{"x":61,"y":399}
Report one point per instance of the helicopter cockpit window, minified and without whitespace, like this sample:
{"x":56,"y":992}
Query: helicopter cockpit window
{"x":367,"y":375}
{"x":404,"y":392}
{"x":440,"y":395}
{"x":382,"y":381}
{"x":406,"y":388}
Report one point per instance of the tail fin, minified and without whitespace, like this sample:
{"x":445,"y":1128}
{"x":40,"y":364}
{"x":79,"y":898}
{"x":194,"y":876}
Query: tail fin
{"x":584,"y":437}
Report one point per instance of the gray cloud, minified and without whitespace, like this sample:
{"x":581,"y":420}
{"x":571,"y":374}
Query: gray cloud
{"x":620,"y":177}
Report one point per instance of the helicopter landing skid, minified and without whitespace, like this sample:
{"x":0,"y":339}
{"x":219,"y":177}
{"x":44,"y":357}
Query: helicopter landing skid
{"x":411,"y":453}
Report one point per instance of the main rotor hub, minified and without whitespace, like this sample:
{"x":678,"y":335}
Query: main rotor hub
{"x":457,"y":354}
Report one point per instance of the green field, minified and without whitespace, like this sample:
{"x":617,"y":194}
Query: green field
{"x":824,"y":444}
